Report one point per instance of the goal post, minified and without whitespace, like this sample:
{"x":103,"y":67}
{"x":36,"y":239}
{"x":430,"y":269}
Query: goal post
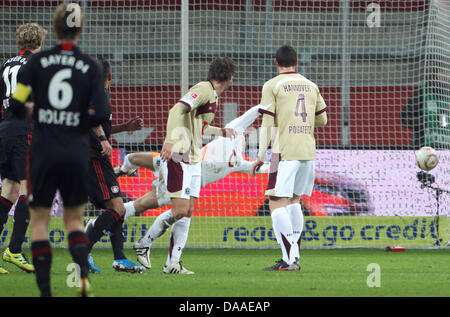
{"x":383,"y":68}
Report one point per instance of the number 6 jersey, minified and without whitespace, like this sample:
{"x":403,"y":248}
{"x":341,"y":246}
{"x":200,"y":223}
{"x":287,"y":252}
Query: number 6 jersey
{"x":65,"y":84}
{"x":294,"y":108}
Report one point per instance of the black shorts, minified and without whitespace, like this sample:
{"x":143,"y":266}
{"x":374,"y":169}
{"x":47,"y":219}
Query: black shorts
{"x":103,"y":185}
{"x":13,"y":155}
{"x":49,"y":172}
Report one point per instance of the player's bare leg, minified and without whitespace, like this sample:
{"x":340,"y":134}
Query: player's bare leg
{"x":142,"y":159}
{"x":40,"y":219}
{"x":13,"y":254}
{"x":133,"y":161}
{"x":138,"y":206}
{"x":181,"y":208}
{"x":10,"y":189}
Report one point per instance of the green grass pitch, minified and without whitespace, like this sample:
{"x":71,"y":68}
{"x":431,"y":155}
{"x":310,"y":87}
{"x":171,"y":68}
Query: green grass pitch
{"x":238,"y":273}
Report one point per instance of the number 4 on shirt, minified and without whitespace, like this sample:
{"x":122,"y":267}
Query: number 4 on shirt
{"x":301,"y":103}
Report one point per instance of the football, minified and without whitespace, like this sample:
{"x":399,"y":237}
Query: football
{"x":427,"y":158}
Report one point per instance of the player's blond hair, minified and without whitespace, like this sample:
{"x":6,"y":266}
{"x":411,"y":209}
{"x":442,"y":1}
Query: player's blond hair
{"x":61,"y":26}
{"x":29,"y":36}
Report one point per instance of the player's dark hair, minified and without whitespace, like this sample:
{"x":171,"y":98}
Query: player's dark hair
{"x":106,"y":66}
{"x":286,"y":56}
{"x":221,"y":69}
{"x":63,"y":22}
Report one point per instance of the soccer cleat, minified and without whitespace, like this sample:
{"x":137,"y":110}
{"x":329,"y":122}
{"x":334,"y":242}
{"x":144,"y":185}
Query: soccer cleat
{"x":125,"y":265}
{"x":279,"y":266}
{"x":92,"y":267}
{"x":176,"y":268}
{"x":118,"y":171}
{"x":143,"y":254}
{"x":3,"y":271}
{"x":19,"y":260}
{"x":85,"y":288}
{"x":295,"y":266}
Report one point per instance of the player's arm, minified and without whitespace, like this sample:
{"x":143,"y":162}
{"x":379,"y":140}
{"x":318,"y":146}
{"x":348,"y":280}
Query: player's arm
{"x":321,"y":112}
{"x":129,"y":126}
{"x":267,"y":125}
{"x":106,"y":146}
{"x":176,"y":130}
{"x":265,"y":136}
{"x":268,"y":120}
{"x":242,"y":122}
{"x":18,"y":100}
{"x":216,"y":131}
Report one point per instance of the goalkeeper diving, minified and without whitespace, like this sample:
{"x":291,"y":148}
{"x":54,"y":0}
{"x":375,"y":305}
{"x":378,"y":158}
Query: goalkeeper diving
{"x":220,"y":157}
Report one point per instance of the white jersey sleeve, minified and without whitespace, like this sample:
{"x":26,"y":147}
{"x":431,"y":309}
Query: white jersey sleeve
{"x":241,"y":123}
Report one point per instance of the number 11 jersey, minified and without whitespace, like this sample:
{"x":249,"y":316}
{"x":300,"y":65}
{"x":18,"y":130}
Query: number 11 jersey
{"x":10,"y":72}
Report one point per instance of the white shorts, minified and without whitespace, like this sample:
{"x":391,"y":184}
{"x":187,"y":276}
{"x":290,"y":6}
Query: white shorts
{"x":287,"y":178}
{"x":179,"y":180}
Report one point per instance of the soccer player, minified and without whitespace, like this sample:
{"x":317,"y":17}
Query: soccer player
{"x":189,"y":119}
{"x":68,"y":95}
{"x":104,"y":190}
{"x":14,"y":147}
{"x":220,"y":158}
{"x":295,"y":108}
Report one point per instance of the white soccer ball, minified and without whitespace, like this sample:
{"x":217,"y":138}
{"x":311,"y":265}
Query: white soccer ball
{"x":427,"y":158}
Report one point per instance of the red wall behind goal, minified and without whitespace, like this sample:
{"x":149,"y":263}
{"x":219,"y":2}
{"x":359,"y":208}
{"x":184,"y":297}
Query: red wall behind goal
{"x":375,"y":111}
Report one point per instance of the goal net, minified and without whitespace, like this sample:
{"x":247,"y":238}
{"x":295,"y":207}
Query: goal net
{"x":383,"y":68}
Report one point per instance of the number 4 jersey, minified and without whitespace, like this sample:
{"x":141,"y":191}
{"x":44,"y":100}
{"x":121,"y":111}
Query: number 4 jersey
{"x":10,"y":72}
{"x":294,"y":108}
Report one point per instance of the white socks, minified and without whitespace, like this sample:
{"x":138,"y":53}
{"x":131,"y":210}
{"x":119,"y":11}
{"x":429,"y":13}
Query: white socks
{"x":129,"y":209}
{"x":283,"y":230}
{"x":178,"y":238}
{"x":288,"y":225}
{"x":127,"y":165}
{"x":178,"y":235}
{"x":296,"y":215}
{"x":159,"y":226}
